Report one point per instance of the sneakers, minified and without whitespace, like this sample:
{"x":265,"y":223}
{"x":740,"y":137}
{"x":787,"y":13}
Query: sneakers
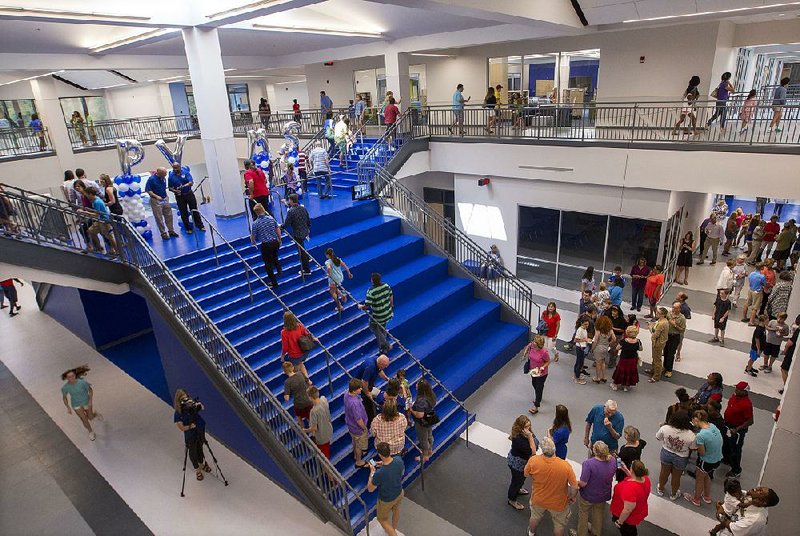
{"x":674,"y":497}
{"x":92,"y":436}
{"x":692,"y":499}
{"x":580,"y":382}
{"x":733,"y":474}
{"x":660,"y":492}
{"x":668,"y":374}
{"x":706,"y":500}
{"x":173,"y":234}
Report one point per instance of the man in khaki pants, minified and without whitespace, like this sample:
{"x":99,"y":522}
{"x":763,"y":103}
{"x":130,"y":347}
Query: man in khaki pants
{"x":660,"y":330}
{"x":156,"y":188}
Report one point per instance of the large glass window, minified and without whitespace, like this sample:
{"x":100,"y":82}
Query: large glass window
{"x":91,"y":108}
{"x":507,"y":72}
{"x":537,"y":248}
{"x":555,"y":247}
{"x":16,"y":113}
{"x":238,"y":98}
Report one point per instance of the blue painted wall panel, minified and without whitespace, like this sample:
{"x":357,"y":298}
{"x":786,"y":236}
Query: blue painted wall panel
{"x":114,"y":316}
{"x":65,"y":305}
{"x":180,"y":104}
{"x":182,"y":371}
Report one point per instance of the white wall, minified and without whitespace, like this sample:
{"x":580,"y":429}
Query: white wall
{"x":490,"y":214}
{"x":139,"y":100}
{"x":697,"y":207}
{"x":336,"y":80}
{"x":444,"y":74}
{"x":429,"y":179}
{"x":285,"y":92}
{"x":18,"y":90}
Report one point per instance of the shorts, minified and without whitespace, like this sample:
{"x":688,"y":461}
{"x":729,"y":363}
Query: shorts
{"x":360,"y":442}
{"x":459,"y":115}
{"x":720,"y":324}
{"x":706,"y":467}
{"x":303,"y":413}
{"x":730,"y":235}
{"x":560,"y":519}
{"x":781,"y":254}
{"x":296,"y":361}
{"x":670,"y":458}
{"x":387,"y":508}
{"x":754,"y":299}
{"x":777,"y":108}
{"x":86,"y":407}
{"x":772,"y":350}
{"x":325,"y":448}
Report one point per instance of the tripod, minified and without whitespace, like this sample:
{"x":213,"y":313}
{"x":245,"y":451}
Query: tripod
{"x":214,"y":458}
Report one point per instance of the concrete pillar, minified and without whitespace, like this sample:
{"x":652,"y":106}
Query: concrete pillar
{"x":396,"y":64}
{"x":45,"y":93}
{"x":211,"y":98}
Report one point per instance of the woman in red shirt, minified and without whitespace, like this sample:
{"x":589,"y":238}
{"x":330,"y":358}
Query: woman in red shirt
{"x":390,"y":114}
{"x":629,"y":502}
{"x":653,"y":288}
{"x":553,"y":321}
{"x":290,"y":342}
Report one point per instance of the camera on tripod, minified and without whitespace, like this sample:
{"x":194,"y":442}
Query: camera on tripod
{"x":191,"y":406}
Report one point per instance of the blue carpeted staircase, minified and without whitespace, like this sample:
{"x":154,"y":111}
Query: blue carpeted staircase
{"x":459,"y":337}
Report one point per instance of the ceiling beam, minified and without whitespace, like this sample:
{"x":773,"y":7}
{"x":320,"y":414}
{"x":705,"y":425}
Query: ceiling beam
{"x":145,"y":38}
{"x":252,"y":10}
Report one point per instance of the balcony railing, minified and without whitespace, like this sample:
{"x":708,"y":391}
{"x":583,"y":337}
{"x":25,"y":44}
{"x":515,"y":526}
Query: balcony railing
{"x":16,"y":142}
{"x":733,"y":124}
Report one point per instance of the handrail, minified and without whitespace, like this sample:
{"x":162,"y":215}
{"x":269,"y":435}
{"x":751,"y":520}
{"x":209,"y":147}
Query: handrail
{"x":32,"y":215}
{"x":511,"y":290}
{"x":405,"y":350}
{"x":381,"y":151}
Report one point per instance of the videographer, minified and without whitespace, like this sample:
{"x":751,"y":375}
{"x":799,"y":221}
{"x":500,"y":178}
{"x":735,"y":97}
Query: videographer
{"x":188,"y":420}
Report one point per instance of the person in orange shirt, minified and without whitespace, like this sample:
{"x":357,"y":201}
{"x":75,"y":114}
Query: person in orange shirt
{"x":554,"y":488}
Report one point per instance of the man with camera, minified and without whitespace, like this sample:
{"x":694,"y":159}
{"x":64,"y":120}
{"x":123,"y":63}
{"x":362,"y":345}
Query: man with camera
{"x":188,"y":420}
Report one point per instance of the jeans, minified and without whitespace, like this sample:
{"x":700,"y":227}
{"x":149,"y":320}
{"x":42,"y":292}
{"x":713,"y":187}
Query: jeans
{"x":735,"y":445}
{"x":580,"y":357}
{"x":517,"y":481}
{"x":269,"y":253}
{"x":538,"y":389}
{"x":670,"y":349}
{"x":303,"y":254}
{"x":720,"y":111}
{"x":323,"y":182}
{"x":380,"y":335}
{"x":186,"y":203}
{"x":637,"y":297}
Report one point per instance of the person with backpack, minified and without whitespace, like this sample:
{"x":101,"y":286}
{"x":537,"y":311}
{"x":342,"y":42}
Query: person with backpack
{"x":334,"y":267}
{"x":424,"y":418}
{"x":293,"y":337}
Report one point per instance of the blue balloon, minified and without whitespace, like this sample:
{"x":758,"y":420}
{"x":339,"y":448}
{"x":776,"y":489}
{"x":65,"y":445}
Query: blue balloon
{"x":142,"y":223}
{"x":147,"y":235}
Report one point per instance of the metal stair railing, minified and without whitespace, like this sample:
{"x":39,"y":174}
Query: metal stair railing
{"x":387,"y":146}
{"x":427,"y":372}
{"x":457,"y":245}
{"x":51,"y":222}
{"x":328,"y":354}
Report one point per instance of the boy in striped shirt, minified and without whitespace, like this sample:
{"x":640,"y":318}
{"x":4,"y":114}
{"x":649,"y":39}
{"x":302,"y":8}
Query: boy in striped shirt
{"x":301,"y":169}
{"x":380,"y":303}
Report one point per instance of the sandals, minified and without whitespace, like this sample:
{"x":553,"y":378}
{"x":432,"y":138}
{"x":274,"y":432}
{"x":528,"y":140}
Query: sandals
{"x":533,"y":411}
{"x":199,"y":473}
{"x":206,"y":467}
{"x":652,"y":380}
{"x":515,"y":505}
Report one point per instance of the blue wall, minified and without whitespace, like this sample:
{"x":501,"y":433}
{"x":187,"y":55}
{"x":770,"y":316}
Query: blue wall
{"x":180,"y":104}
{"x":540,"y":71}
{"x":114,"y":316}
{"x":547,"y":71}
{"x":586,"y":68}
{"x":65,"y":305}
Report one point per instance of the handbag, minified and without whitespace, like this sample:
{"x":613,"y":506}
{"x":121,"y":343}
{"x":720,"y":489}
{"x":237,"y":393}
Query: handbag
{"x":526,"y":365}
{"x":715,"y":92}
{"x":429,"y":419}
{"x":306,"y":342}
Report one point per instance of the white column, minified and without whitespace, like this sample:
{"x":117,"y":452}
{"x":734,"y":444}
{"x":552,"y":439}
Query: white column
{"x":45,"y":93}
{"x":794,"y":301}
{"x":211,"y":98}
{"x":397,"y":77}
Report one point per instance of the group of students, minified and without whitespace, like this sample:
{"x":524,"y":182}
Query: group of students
{"x":97,"y":200}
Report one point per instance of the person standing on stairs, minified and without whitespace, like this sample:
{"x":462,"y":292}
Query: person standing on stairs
{"x":290,"y":343}
{"x":180,"y":183}
{"x":371,"y":369}
{"x":298,"y":219}
{"x":340,"y":132}
{"x":156,"y":188}
{"x":320,"y":166}
{"x":355,"y":417}
{"x":257,"y":188}
{"x":335,"y":268}
{"x":295,"y":389}
{"x":319,"y":422}
{"x":267,"y":236}
{"x":380,"y":303}
{"x":387,"y":479}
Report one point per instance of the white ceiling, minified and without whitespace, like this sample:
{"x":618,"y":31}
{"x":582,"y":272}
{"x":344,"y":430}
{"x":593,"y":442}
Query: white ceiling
{"x":616,"y":11}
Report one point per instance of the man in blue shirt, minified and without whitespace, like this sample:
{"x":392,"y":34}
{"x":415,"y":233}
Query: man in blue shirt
{"x":156,"y":188}
{"x":778,"y":102}
{"x":370,"y":370}
{"x":326,"y":105}
{"x":388,"y":480}
{"x":100,"y":224}
{"x":360,"y":107}
{"x":756,"y":280}
{"x":180,"y":183}
{"x":605,"y":424}
{"x":458,"y":109}
{"x":615,"y":291}
{"x":268,"y":235}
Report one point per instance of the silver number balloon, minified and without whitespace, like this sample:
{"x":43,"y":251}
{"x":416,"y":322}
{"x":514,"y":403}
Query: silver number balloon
{"x":257,"y":141}
{"x":290,"y":132}
{"x":130,"y":153}
{"x":171,"y":155}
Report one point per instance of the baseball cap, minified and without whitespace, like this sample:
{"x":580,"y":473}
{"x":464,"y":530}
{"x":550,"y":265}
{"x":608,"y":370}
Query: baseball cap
{"x":499,"y":86}
{"x":742,"y":386}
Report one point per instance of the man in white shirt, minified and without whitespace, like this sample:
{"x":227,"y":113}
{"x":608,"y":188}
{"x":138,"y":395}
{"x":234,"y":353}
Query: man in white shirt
{"x":753,"y":521}
{"x":714,"y":233}
{"x":340,"y":137}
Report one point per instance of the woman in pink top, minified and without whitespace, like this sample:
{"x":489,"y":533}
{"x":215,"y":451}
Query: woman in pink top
{"x":538,"y":360}
{"x":653,"y":288}
{"x":748,"y":108}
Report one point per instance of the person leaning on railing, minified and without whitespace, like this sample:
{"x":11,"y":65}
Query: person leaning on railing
{"x":101,"y":224}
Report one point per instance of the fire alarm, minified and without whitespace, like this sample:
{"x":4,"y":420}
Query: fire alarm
{"x":483,"y":182}
{"x":641,"y":59}
{"x":328,"y":63}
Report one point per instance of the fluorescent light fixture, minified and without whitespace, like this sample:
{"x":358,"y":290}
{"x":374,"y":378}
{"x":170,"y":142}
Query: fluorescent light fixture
{"x":701,"y":13}
{"x":315,"y":30}
{"x":247,"y":7}
{"x":109,"y":87}
{"x":178,"y":77}
{"x":25,"y":11}
{"x":31,"y":77}
{"x":133,"y":39}
{"x":424,"y":55}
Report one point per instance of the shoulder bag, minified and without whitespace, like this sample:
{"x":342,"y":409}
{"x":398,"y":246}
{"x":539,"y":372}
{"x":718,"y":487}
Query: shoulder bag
{"x":306,"y":341}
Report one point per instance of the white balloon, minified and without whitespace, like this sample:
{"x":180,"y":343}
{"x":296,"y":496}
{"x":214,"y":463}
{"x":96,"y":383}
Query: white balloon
{"x":123,"y":188}
{"x":135,"y":187}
